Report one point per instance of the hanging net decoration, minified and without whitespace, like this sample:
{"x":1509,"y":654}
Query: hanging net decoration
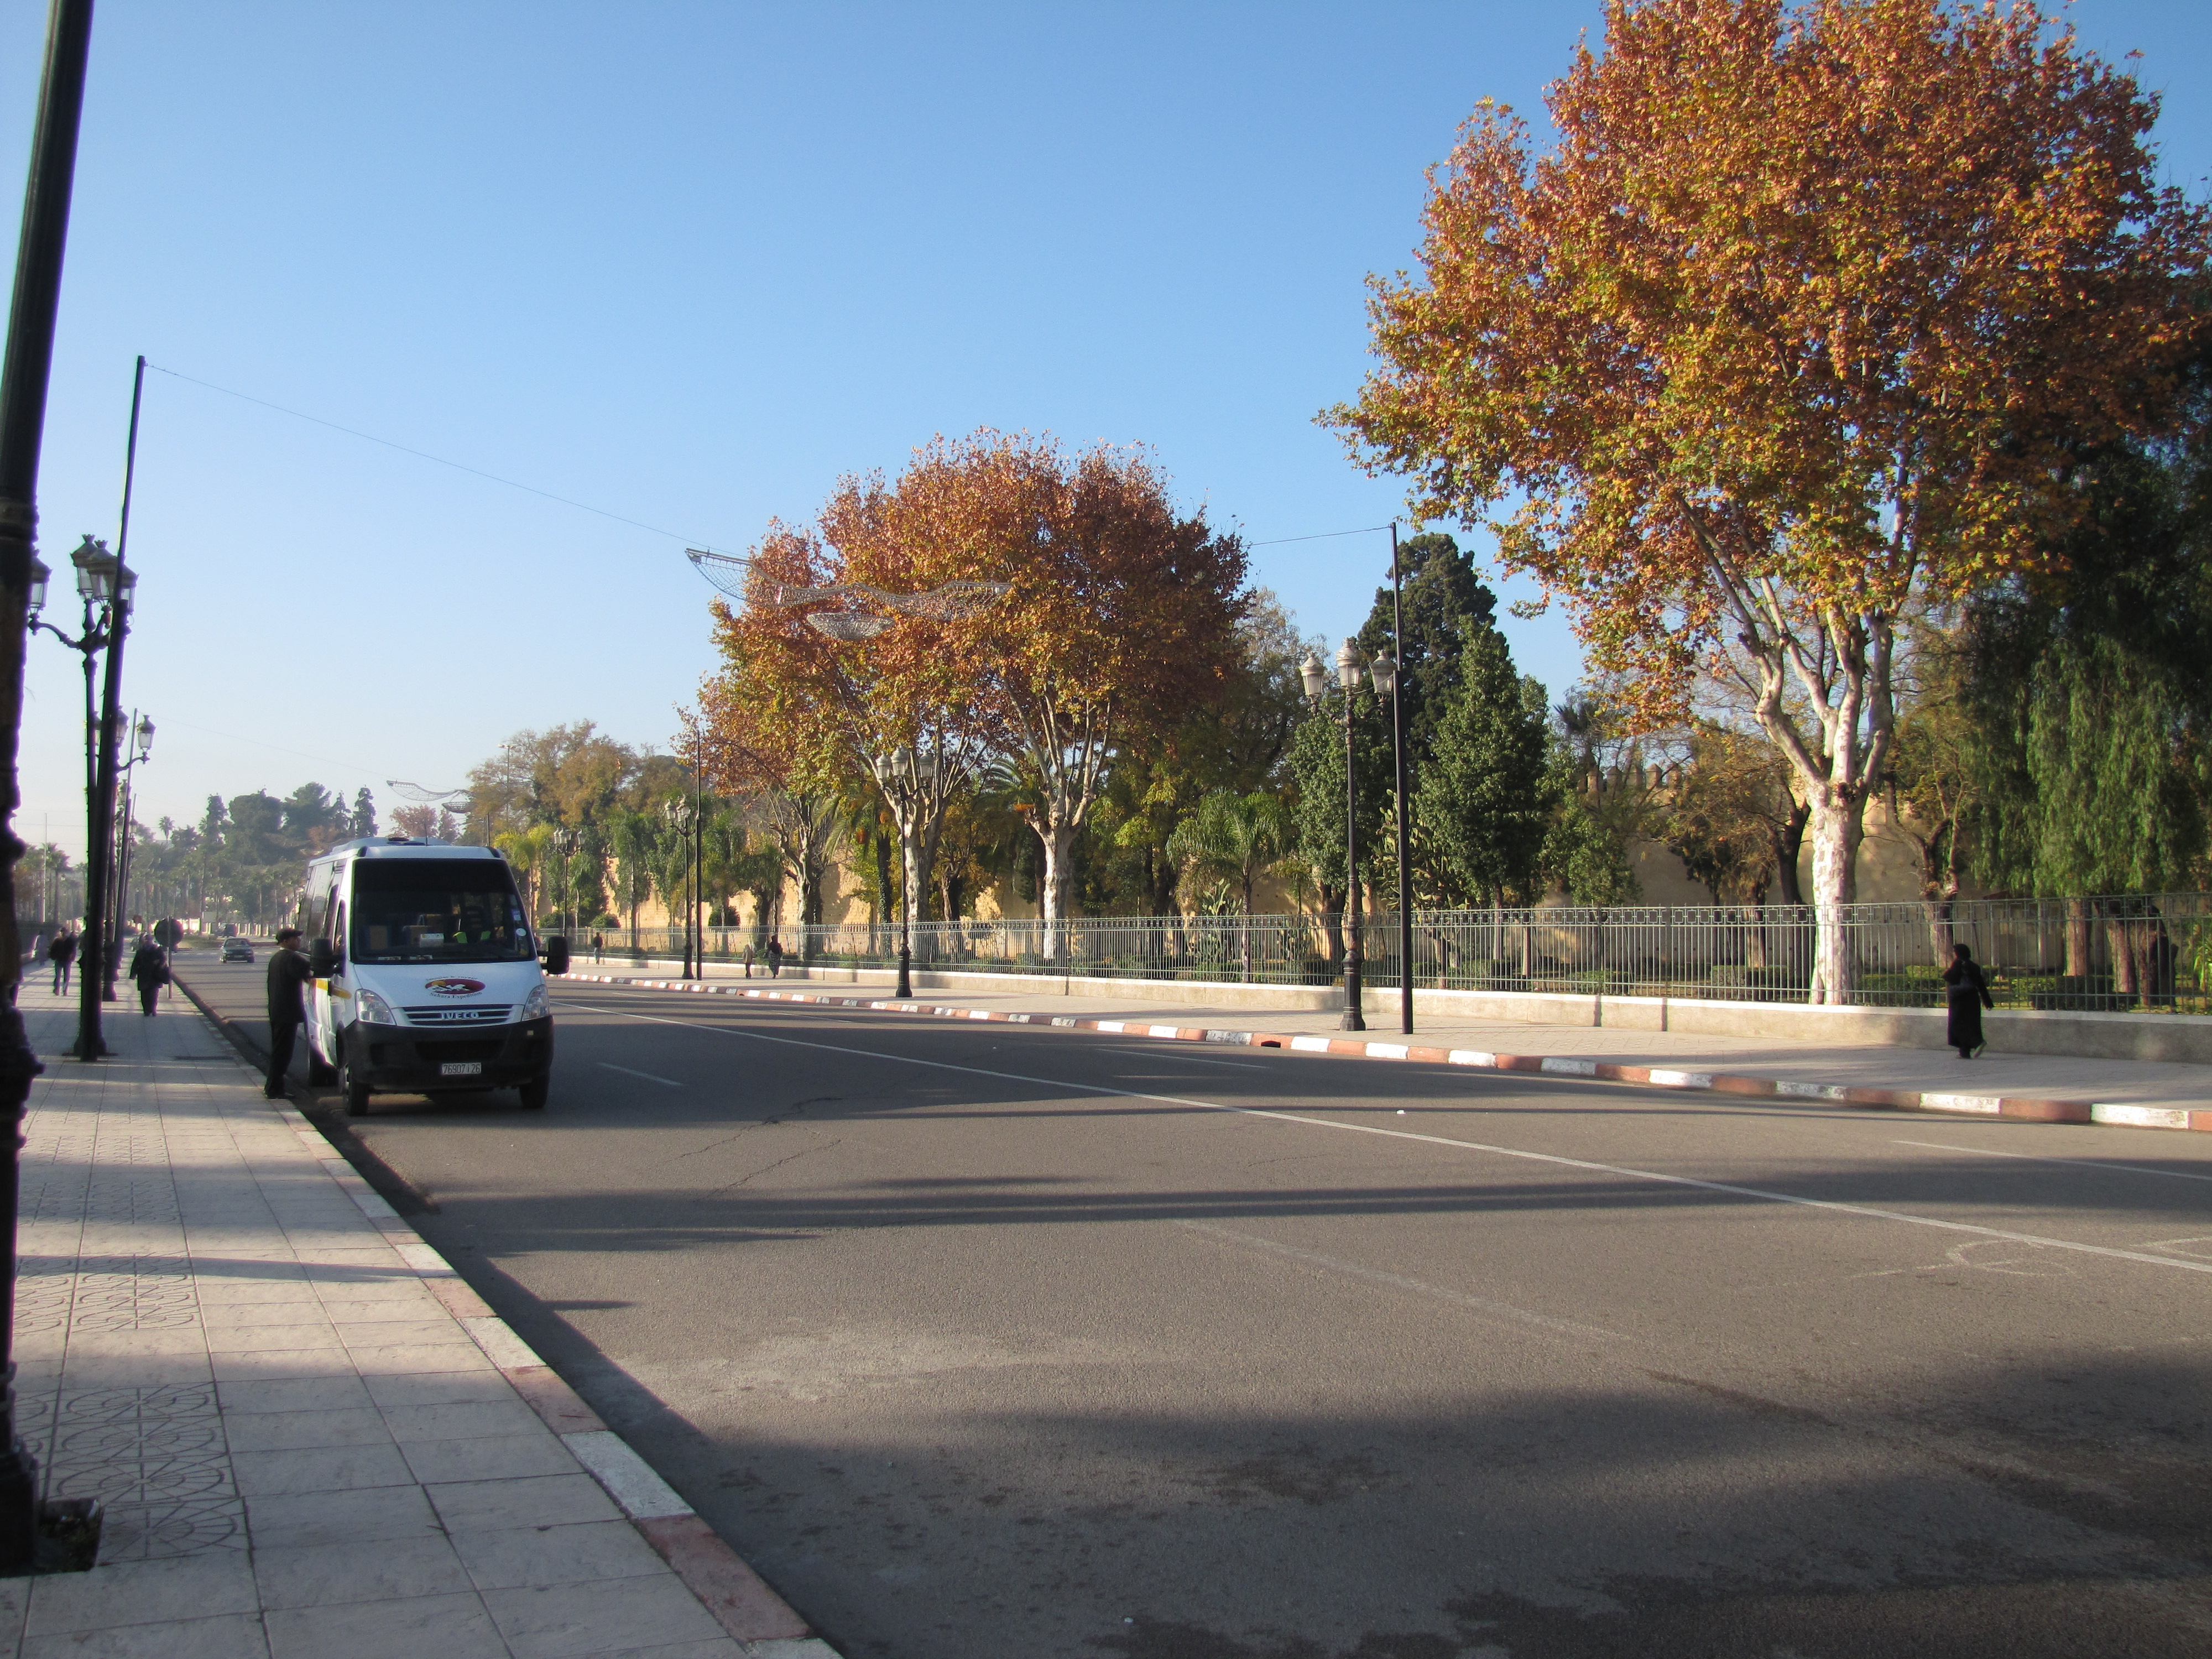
{"x":422,"y":797}
{"x":726,"y":570}
{"x":858,"y":618}
{"x":848,"y":625}
{"x":950,"y":603}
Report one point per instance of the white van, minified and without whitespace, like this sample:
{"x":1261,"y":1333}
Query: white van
{"x":426,"y":973}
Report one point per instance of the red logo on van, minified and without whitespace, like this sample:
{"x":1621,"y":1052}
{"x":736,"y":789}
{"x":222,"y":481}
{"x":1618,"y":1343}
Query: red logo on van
{"x":452,"y":988}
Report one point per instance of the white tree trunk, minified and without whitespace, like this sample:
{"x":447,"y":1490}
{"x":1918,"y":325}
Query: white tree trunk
{"x":1059,"y":840}
{"x":1837,"y":827}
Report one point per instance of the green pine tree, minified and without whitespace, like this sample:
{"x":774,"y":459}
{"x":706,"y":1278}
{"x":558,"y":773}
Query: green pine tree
{"x":1485,"y":795}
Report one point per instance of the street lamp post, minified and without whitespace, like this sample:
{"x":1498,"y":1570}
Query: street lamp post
{"x":25,"y":369}
{"x":106,"y":605}
{"x":1397,"y":755}
{"x":1383,"y":674}
{"x":564,"y":843}
{"x":682,"y":816}
{"x":120,"y":914}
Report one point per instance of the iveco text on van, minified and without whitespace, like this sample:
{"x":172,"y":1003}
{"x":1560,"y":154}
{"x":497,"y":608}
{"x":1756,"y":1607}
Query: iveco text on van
{"x":426,"y":972}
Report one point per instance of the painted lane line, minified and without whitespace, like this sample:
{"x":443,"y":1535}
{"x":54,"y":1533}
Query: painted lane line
{"x":2082,"y":1163}
{"x":1189,"y":1059}
{"x":1399,"y":1281}
{"x":1837,"y":1206}
{"x":668,"y":1082}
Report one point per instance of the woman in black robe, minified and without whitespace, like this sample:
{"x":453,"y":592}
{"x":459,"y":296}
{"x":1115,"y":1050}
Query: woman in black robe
{"x":1968,"y":994}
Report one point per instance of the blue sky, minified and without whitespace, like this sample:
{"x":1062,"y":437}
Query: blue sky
{"x":688,"y":263}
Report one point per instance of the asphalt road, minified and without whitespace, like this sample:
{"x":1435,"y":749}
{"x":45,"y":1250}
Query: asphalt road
{"x":989,"y":1343}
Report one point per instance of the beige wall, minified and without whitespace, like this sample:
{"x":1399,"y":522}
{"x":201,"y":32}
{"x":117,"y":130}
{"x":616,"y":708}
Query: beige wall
{"x":1888,"y":872}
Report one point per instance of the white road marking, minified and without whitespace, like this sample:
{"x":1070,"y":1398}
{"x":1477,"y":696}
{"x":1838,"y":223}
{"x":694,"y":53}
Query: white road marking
{"x":1499,"y":1309}
{"x":2037,"y":1157}
{"x":609,"y":1066}
{"x":1872,"y":1213}
{"x":1189,"y":1059}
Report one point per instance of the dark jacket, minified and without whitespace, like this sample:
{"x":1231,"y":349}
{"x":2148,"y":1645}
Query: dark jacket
{"x":148,"y":965}
{"x":1967,"y":994}
{"x":288,"y":975}
{"x":63,"y":949}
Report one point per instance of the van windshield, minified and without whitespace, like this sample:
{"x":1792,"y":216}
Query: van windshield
{"x":437,"y":910}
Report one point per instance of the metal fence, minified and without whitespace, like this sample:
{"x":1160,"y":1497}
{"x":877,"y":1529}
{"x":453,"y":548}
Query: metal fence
{"x":2114,"y":953}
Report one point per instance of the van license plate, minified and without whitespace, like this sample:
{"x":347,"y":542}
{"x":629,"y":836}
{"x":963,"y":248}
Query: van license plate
{"x":461,"y":1068}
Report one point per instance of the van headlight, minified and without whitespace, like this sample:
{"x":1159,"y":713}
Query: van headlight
{"x":537,"y":1005}
{"x":375,"y":1010}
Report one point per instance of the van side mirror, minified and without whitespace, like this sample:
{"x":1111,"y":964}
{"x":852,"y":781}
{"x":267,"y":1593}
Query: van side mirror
{"x":556,"y":955}
{"x":322,"y":961}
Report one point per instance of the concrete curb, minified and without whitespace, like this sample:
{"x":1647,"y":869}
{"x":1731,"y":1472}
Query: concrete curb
{"x":2015,"y":1108}
{"x":740,"y":1600}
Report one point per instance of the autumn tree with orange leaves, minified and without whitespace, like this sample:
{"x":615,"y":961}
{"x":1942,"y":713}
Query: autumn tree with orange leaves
{"x":794,"y":706}
{"x":1798,"y":332}
{"x":1118,"y":620}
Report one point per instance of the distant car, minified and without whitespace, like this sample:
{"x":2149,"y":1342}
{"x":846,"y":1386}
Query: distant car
{"x":238,"y":950}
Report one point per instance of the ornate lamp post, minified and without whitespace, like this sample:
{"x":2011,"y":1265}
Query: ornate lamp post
{"x":1383,"y":674}
{"x":119,"y":913}
{"x":682,"y":816}
{"x":564,"y":843}
{"x":106,"y":591}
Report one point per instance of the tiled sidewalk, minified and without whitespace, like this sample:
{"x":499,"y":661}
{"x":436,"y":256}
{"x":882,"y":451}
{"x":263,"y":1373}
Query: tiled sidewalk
{"x":307,"y":1433}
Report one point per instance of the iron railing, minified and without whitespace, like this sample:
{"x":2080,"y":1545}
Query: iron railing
{"x":2110,"y":953}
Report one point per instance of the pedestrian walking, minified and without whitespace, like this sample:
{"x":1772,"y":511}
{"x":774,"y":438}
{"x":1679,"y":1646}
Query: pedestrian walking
{"x":1967,"y":994}
{"x":749,"y":962}
{"x":288,"y":975}
{"x":775,"y":958}
{"x":149,"y":966}
{"x":61,"y":952}
{"x":598,"y":947}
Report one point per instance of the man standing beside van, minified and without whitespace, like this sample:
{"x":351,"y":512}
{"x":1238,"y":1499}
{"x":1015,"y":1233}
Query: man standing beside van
{"x":61,"y":953}
{"x":288,"y":975}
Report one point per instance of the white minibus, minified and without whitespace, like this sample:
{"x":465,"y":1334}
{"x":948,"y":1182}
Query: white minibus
{"x":426,"y":973}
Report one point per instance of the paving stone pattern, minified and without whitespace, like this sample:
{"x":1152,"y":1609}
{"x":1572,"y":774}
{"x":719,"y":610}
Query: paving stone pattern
{"x":301,"y":1452}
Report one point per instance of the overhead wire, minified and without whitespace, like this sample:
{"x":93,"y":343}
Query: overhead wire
{"x":569,"y":500}
{"x":424,"y":454}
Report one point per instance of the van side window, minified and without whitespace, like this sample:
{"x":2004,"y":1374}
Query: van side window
{"x":338,"y":934}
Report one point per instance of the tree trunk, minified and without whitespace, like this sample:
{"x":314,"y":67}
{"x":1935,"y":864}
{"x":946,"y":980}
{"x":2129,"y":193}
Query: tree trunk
{"x":914,"y":866}
{"x":1331,"y":925}
{"x":1059,"y":840}
{"x":1788,"y":842}
{"x":1838,"y":826}
{"x":2077,"y":939}
{"x":885,"y":899}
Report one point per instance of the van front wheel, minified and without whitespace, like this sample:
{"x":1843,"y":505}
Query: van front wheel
{"x":353,"y":1084}
{"x":535,"y":1091}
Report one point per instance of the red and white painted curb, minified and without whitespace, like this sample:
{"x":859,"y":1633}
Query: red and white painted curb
{"x":2015,"y":1107}
{"x":743,"y":1604}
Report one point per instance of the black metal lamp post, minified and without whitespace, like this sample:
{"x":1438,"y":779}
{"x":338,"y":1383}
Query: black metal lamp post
{"x":96,"y":579}
{"x":24,"y":371}
{"x":119,"y":910}
{"x":1384,"y":672}
{"x":681,"y":815}
{"x":564,"y":843}
{"x":1398,"y":755}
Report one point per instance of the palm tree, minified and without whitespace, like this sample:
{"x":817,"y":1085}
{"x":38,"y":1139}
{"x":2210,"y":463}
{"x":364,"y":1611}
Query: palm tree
{"x":1234,"y":838}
